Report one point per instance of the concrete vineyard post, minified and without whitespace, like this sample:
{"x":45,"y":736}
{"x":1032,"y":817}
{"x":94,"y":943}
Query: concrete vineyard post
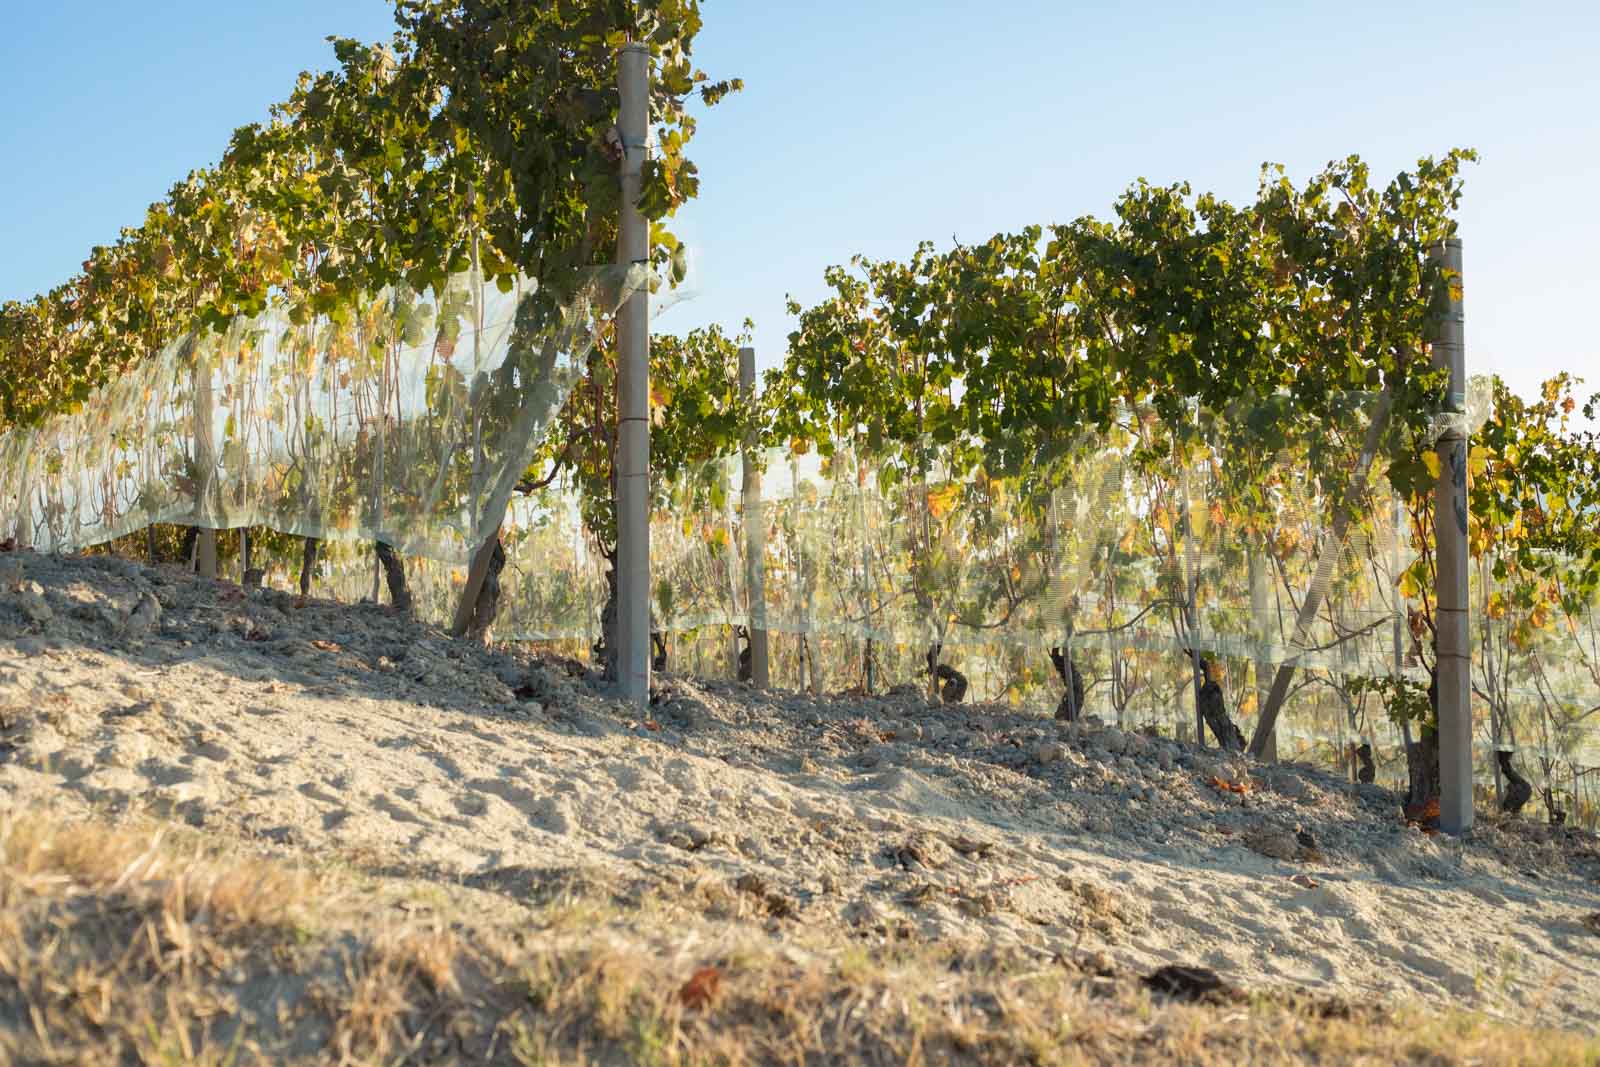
{"x":24,"y":528}
{"x":205,"y":464}
{"x":755,"y":534}
{"x":633,"y":391}
{"x":1450,"y":548}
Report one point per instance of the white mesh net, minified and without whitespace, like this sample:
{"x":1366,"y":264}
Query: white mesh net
{"x":407,"y":419}
{"x":412,"y":419}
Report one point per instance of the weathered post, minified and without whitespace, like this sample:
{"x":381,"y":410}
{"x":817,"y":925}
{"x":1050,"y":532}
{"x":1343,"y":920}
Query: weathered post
{"x":24,"y":528}
{"x":205,"y":458}
{"x":633,"y":391}
{"x":755,"y":534}
{"x":1450,"y":549}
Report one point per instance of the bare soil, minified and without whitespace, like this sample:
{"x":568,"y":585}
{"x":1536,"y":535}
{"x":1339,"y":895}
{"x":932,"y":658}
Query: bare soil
{"x":337,"y":833}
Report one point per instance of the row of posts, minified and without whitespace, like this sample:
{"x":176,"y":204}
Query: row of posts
{"x":633,"y":478}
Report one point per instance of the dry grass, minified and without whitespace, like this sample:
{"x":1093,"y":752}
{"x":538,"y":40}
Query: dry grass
{"x":137,"y":945}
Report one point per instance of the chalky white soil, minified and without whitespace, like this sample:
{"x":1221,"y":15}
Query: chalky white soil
{"x":329,"y":729}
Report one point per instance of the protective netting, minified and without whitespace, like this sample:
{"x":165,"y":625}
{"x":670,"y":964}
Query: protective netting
{"x":407,"y":418}
{"x":1125,"y":559}
{"x":411,"y":420}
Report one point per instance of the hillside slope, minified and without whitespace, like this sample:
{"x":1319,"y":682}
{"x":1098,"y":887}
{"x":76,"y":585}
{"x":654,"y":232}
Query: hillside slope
{"x":398,"y":788}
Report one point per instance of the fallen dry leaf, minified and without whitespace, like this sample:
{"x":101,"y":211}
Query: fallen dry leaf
{"x":1230,"y":787}
{"x":968,"y":847}
{"x":701,"y":988}
{"x":1305,"y":881}
{"x":326,"y":646}
{"x":1426,"y":813}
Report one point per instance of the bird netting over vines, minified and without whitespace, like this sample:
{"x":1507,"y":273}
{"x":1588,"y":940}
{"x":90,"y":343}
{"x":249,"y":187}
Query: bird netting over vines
{"x":409,"y":421}
{"x":408,"y":417}
{"x":1136,"y":546}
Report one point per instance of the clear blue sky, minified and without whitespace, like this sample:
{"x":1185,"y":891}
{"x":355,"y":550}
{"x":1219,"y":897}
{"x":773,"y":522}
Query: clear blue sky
{"x":867,"y":126}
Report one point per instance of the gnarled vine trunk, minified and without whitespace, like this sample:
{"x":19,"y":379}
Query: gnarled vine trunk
{"x":488,"y":602}
{"x":308,"y":564}
{"x":1422,"y":764}
{"x":394,"y":572}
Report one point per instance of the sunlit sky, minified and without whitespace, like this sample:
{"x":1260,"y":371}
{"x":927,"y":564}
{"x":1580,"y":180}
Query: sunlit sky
{"x":869,"y":126}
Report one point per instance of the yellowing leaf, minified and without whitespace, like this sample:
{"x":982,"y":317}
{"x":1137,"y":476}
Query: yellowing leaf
{"x":942,"y":499}
{"x":1431,"y":461}
{"x":1408,"y":586}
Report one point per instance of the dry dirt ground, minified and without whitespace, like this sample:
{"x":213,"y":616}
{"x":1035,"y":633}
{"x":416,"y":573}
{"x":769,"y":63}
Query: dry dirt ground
{"x":358,"y":786}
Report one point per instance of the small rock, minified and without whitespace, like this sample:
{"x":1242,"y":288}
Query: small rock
{"x":920,"y":851}
{"x":112,"y":784}
{"x":144,"y":619}
{"x":971,"y":848}
{"x":1192,"y":983}
{"x":1273,"y":842}
{"x":691,"y":837}
{"x":1288,"y":785}
{"x":1047,"y":752}
{"x":180,"y":794}
{"x":876,"y":756}
{"x":1098,"y":964}
{"x":31,"y":601}
{"x":1164,"y":758}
